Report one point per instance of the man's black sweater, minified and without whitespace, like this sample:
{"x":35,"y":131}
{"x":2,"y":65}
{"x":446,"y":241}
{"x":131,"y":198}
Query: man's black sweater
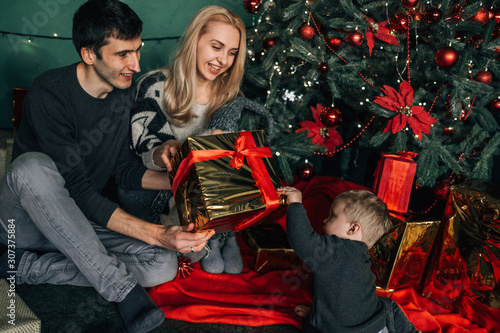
{"x":86,"y":137}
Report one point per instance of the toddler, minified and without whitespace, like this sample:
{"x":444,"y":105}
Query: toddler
{"x":345,"y":293}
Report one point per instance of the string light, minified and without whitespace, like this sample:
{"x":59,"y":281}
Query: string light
{"x":56,"y":36}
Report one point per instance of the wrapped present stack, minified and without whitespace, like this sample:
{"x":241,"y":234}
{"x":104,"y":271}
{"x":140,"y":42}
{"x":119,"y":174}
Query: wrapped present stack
{"x":270,"y":248}
{"x":464,"y":270}
{"x":399,"y":257}
{"x":394,"y":181}
{"x":225,"y":182}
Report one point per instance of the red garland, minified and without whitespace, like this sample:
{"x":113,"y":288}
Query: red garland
{"x":401,"y":103}
{"x":320,"y":134}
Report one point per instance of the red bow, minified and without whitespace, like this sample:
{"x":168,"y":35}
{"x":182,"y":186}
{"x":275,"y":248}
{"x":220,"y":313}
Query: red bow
{"x":237,"y":159}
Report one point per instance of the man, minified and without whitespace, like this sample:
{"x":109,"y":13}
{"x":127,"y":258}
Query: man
{"x":58,"y":227}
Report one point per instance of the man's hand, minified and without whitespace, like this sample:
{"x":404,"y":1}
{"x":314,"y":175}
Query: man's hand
{"x":163,"y":153}
{"x":291,"y":193}
{"x":180,"y":239}
{"x":173,"y":237}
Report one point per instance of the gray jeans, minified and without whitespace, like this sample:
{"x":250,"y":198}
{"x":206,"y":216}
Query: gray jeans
{"x":62,"y":245}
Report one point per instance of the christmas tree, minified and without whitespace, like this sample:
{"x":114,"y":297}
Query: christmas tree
{"x":391,"y":76}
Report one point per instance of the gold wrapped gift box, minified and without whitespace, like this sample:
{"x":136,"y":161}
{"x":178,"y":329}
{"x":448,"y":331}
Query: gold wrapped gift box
{"x":270,"y":248}
{"x":400,"y":256}
{"x":464,"y":270}
{"x":225,"y":182}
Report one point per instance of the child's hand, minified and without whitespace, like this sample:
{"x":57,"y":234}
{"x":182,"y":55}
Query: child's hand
{"x":292,"y":194}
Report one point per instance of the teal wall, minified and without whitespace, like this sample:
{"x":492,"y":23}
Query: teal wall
{"x":22,"y":61}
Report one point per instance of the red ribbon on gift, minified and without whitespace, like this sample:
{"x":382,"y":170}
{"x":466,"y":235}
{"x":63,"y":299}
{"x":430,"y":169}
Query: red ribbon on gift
{"x":244,"y":147}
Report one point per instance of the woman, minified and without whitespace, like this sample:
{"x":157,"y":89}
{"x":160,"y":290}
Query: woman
{"x":197,"y":94}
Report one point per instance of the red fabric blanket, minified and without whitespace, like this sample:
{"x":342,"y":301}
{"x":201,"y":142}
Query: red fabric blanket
{"x":253,"y":299}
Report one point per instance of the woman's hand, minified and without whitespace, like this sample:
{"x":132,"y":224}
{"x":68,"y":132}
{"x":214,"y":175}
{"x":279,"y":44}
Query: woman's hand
{"x":163,"y":153}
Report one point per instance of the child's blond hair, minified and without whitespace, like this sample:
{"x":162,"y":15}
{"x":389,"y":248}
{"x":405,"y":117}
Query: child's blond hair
{"x":369,"y":211}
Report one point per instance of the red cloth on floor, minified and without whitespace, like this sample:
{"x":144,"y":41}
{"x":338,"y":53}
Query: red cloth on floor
{"x":430,"y":317}
{"x":247,"y":299}
{"x":255,"y":300}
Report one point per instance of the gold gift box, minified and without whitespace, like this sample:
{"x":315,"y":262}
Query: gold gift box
{"x":400,"y":256}
{"x":464,"y":270}
{"x":216,"y":195}
{"x":270,"y":248}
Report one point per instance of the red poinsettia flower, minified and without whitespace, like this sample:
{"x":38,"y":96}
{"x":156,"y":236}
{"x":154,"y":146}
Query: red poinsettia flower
{"x":380,"y":31}
{"x":401,"y":103}
{"x":320,"y":134}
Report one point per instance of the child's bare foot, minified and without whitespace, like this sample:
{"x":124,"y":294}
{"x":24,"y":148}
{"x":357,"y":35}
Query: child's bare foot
{"x":302,"y":310}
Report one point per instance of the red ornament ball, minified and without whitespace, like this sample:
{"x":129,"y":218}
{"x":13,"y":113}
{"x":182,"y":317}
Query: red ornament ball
{"x":495,"y":105}
{"x":306,"y":31}
{"x":253,"y":6}
{"x":267,"y":43}
{"x":305,"y":171}
{"x":355,"y":38}
{"x":446,"y":57}
{"x":323,"y":67}
{"x":334,"y":43}
{"x":482,"y":16}
{"x":483,"y":77}
{"x":409,"y":3}
{"x":330,"y":117}
{"x":433,"y":15}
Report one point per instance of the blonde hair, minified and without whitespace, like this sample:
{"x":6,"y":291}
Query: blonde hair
{"x":180,"y":86}
{"x":369,"y":211}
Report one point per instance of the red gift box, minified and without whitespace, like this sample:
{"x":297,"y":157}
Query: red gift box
{"x":394,"y":180}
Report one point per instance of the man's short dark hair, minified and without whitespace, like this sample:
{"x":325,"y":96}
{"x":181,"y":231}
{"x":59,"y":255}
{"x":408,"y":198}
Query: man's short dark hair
{"x":97,"y":20}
